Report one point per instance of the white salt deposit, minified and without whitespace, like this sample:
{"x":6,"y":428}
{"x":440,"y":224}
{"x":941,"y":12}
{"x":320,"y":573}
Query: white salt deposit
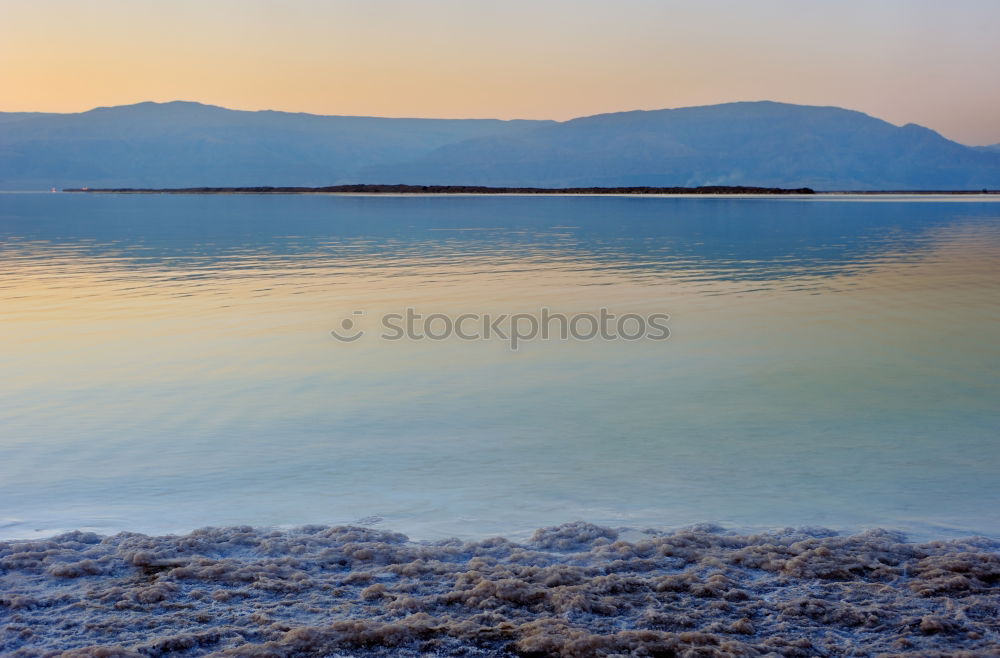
{"x":571,"y":590}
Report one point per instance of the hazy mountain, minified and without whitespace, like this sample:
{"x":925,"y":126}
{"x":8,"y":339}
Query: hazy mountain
{"x":764,"y":143}
{"x":18,"y":116}
{"x":189,"y":144}
{"x":769,"y":144}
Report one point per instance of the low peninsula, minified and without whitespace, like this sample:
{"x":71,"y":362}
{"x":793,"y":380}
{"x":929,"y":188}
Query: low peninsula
{"x":449,"y":189}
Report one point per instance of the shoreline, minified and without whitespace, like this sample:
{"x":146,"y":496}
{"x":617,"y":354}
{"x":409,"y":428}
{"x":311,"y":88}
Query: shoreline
{"x":432,"y":532}
{"x":454,"y":190}
{"x":473,"y":190}
{"x":576,"y":589}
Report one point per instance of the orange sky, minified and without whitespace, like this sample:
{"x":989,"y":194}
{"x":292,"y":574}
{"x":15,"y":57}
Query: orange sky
{"x":901,"y":60}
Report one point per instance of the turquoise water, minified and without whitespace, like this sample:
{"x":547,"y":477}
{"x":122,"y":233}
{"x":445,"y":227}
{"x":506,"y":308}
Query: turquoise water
{"x":167,"y":363}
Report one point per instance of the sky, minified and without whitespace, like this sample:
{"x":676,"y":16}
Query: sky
{"x":932,"y":63}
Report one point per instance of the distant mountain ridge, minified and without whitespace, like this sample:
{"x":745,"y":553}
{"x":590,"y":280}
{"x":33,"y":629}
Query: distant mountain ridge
{"x":765,"y":144}
{"x":180,"y":144}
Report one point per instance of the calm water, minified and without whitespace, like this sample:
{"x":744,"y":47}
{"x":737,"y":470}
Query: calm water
{"x":167,"y":363}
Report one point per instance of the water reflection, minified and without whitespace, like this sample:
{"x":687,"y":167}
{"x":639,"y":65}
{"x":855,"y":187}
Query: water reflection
{"x":167,"y":363}
{"x":718,"y":238}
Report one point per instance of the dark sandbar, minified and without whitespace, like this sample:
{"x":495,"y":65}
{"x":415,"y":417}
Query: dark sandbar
{"x":449,"y":189}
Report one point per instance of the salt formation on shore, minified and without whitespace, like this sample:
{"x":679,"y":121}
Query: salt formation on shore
{"x":572,"y":590}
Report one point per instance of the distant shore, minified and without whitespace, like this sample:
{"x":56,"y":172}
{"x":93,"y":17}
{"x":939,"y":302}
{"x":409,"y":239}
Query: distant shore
{"x":449,"y":189}
{"x":482,"y":189}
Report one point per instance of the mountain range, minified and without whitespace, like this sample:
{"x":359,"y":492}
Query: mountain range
{"x":767,"y":144}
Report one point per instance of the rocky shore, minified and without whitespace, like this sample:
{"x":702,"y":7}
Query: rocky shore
{"x":571,"y":590}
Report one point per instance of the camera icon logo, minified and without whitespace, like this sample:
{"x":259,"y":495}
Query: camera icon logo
{"x":348,"y":334}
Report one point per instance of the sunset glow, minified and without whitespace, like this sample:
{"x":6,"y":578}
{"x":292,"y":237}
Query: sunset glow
{"x":904,"y":61}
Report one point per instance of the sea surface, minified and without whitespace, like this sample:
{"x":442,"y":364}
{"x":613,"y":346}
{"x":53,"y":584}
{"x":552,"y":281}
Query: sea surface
{"x":167,"y":363}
